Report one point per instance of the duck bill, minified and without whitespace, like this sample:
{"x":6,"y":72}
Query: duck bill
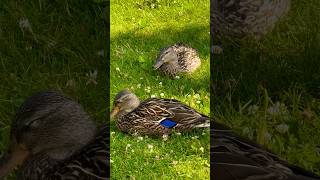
{"x":115,"y":111}
{"x":158,"y":64}
{"x":15,"y":156}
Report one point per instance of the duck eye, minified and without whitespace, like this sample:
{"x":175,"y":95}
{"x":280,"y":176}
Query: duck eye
{"x":33,"y":124}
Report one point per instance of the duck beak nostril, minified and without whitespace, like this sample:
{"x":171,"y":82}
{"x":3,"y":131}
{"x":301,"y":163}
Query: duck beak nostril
{"x":158,"y":64}
{"x":15,"y":156}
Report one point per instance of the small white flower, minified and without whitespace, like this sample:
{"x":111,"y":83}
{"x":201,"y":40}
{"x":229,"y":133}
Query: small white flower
{"x":174,"y":162}
{"x":196,"y":96}
{"x":24,"y":24}
{"x":161,"y":94}
{"x":117,"y":69}
{"x":165,"y":137}
{"x":132,"y":150}
{"x":201,"y":149}
{"x":282,"y":128}
{"x":177,"y":77}
{"x":153,"y":96}
{"x":92,"y":77}
{"x":112,"y":133}
{"x":140,"y":138}
{"x":150,"y":146}
{"x":160,"y":83}
{"x":128,"y":146}
{"x":195,"y":137}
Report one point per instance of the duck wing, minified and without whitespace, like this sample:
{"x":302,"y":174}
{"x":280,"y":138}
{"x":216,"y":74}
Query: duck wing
{"x":91,"y":163}
{"x":235,"y":158}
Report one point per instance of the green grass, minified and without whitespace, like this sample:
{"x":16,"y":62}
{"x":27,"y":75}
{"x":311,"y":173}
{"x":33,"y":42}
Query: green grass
{"x":67,"y":42}
{"x":139,"y":29}
{"x":264,"y":87}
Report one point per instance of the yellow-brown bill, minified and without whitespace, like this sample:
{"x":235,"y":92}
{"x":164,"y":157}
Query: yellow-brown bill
{"x":15,"y":156}
{"x":115,"y":111}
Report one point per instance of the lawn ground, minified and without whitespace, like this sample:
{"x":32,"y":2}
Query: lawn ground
{"x":51,"y":45}
{"x":139,"y":29}
{"x":269,"y":91}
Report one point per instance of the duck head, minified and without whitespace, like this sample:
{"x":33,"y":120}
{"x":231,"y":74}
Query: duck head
{"x":167,"y":56}
{"x":124,"y":102}
{"x":50,"y":123}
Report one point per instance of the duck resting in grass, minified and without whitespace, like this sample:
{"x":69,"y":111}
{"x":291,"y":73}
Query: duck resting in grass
{"x":154,"y":116}
{"x":52,"y":138}
{"x":236,"y":19}
{"x":177,"y":59}
{"x":236,"y":158}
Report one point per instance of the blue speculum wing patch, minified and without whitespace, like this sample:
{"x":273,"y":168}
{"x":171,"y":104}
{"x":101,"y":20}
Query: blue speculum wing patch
{"x":168,"y":123}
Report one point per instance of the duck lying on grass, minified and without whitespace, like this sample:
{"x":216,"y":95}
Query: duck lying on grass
{"x":52,"y":137}
{"x":177,"y":59}
{"x":154,"y":116}
{"x":241,"y":18}
{"x":236,"y":158}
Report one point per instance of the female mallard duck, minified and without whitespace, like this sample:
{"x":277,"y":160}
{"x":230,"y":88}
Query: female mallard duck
{"x":157,"y":117}
{"x":52,"y":137}
{"x":240,"y":18}
{"x":177,"y":59}
{"x":236,"y":158}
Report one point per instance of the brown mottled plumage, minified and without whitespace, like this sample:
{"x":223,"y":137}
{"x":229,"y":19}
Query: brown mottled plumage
{"x":52,"y":137}
{"x":177,"y":59}
{"x":145,"y":118}
{"x":241,"y":18}
{"x":236,"y":158}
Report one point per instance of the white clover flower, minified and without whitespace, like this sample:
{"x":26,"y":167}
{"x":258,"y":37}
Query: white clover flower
{"x":92,"y":77}
{"x":24,"y":24}
{"x":201,"y":149}
{"x":282,"y":128}
{"x":140,"y":138}
{"x":117,"y":69}
{"x":165,"y":137}
{"x":161,"y":94}
{"x":196,"y":96}
{"x":153,"y":96}
{"x":150,"y":146}
{"x":177,"y":77}
{"x":195,"y":137}
{"x":160,"y":83}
